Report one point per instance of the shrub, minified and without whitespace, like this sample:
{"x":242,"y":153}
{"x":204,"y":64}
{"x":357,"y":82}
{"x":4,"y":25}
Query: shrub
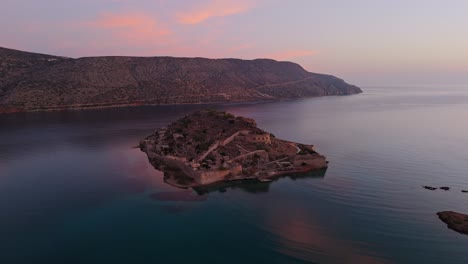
{"x":211,"y":112}
{"x":203,"y":146}
{"x":256,"y":157}
{"x":228,"y":115}
{"x":211,"y":157}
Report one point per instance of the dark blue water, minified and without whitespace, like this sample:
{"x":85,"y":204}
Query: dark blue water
{"x":74,"y":190}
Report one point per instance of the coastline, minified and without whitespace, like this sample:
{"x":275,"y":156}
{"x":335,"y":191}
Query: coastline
{"x":17,"y":110}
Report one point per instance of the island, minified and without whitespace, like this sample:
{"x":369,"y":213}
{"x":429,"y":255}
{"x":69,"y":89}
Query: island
{"x":455,"y":221}
{"x":32,"y":82}
{"x":209,"y":147}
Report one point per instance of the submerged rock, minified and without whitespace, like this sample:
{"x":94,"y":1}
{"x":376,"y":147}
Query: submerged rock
{"x":455,"y":221}
{"x":211,"y":146}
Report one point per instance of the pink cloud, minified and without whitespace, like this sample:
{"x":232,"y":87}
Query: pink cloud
{"x":241,"y":47}
{"x":215,"y":8}
{"x":290,"y":54}
{"x":135,"y":28}
{"x":125,"y":33}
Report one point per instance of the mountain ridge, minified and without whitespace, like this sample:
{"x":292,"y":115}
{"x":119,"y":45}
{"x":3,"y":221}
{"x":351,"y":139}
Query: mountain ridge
{"x":38,"y":82}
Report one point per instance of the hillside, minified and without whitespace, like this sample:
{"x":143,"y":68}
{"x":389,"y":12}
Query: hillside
{"x":33,"y":82}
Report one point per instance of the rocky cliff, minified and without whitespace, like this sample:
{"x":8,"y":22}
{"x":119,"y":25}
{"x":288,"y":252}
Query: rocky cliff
{"x":34,"y":82}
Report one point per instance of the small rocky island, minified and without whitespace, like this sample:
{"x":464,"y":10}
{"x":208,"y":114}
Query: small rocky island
{"x":455,"y":221}
{"x":210,"y":146}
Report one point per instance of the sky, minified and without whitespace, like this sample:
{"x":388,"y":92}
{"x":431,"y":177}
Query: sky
{"x":365,"y":42}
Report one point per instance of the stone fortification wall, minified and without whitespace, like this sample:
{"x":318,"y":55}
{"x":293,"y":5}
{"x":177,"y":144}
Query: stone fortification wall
{"x":262,"y":153}
{"x":309,"y":161}
{"x":211,"y":149}
{"x":208,"y":177}
{"x":231,"y":138}
{"x":173,"y":163}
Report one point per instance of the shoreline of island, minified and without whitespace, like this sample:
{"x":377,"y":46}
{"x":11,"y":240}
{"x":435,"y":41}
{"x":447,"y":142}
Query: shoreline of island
{"x":84,"y":107}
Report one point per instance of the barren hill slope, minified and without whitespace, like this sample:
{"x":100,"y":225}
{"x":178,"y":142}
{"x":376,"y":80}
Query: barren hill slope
{"x":31,"y":82}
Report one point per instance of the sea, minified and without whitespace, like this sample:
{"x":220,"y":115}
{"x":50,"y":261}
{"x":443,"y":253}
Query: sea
{"x":75,"y":188}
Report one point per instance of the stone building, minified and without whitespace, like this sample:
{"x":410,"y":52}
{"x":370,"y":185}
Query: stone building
{"x":259,"y":138}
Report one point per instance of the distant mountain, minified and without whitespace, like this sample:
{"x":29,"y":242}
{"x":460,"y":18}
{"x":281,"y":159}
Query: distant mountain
{"x":34,"y":82}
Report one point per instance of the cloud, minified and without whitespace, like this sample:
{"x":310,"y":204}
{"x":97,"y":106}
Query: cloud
{"x":215,"y":8}
{"x":242,"y":47}
{"x":290,"y":54}
{"x":132,"y":28}
{"x":120,"y":33}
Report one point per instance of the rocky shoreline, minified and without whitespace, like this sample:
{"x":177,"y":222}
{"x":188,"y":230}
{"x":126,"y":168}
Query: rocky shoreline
{"x":13,"y":110}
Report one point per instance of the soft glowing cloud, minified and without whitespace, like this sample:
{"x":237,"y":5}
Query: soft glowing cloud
{"x":290,"y":54}
{"x":137,"y":28}
{"x":245,"y":46}
{"x":378,"y":48}
{"x":214,"y":8}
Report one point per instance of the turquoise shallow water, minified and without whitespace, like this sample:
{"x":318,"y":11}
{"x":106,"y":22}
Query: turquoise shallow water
{"x":74,"y":190}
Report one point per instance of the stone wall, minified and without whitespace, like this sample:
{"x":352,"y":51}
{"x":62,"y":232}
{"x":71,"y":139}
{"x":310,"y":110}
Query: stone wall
{"x":231,"y":138}
{"x":310,"y":161}
{"x":262,"y":153}
{"x":208,"y":177}
{"x":175,"y":163}
{"x":211,"y":149}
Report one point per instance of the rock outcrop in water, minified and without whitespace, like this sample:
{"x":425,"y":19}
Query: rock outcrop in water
{"x":34,"y":82}
{"x":455,"y":221}
{"x":210,"y":146}
{"x":430,"y":188}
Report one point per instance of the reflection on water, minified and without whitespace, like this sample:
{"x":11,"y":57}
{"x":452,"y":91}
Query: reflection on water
{"x":177,"y":196}
{"x":254,"y":185}
{"x":73,"y":189}
{"x":301,"y":235}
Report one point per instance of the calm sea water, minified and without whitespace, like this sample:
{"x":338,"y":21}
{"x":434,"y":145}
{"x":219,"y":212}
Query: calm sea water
{"x":73,"y":189}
